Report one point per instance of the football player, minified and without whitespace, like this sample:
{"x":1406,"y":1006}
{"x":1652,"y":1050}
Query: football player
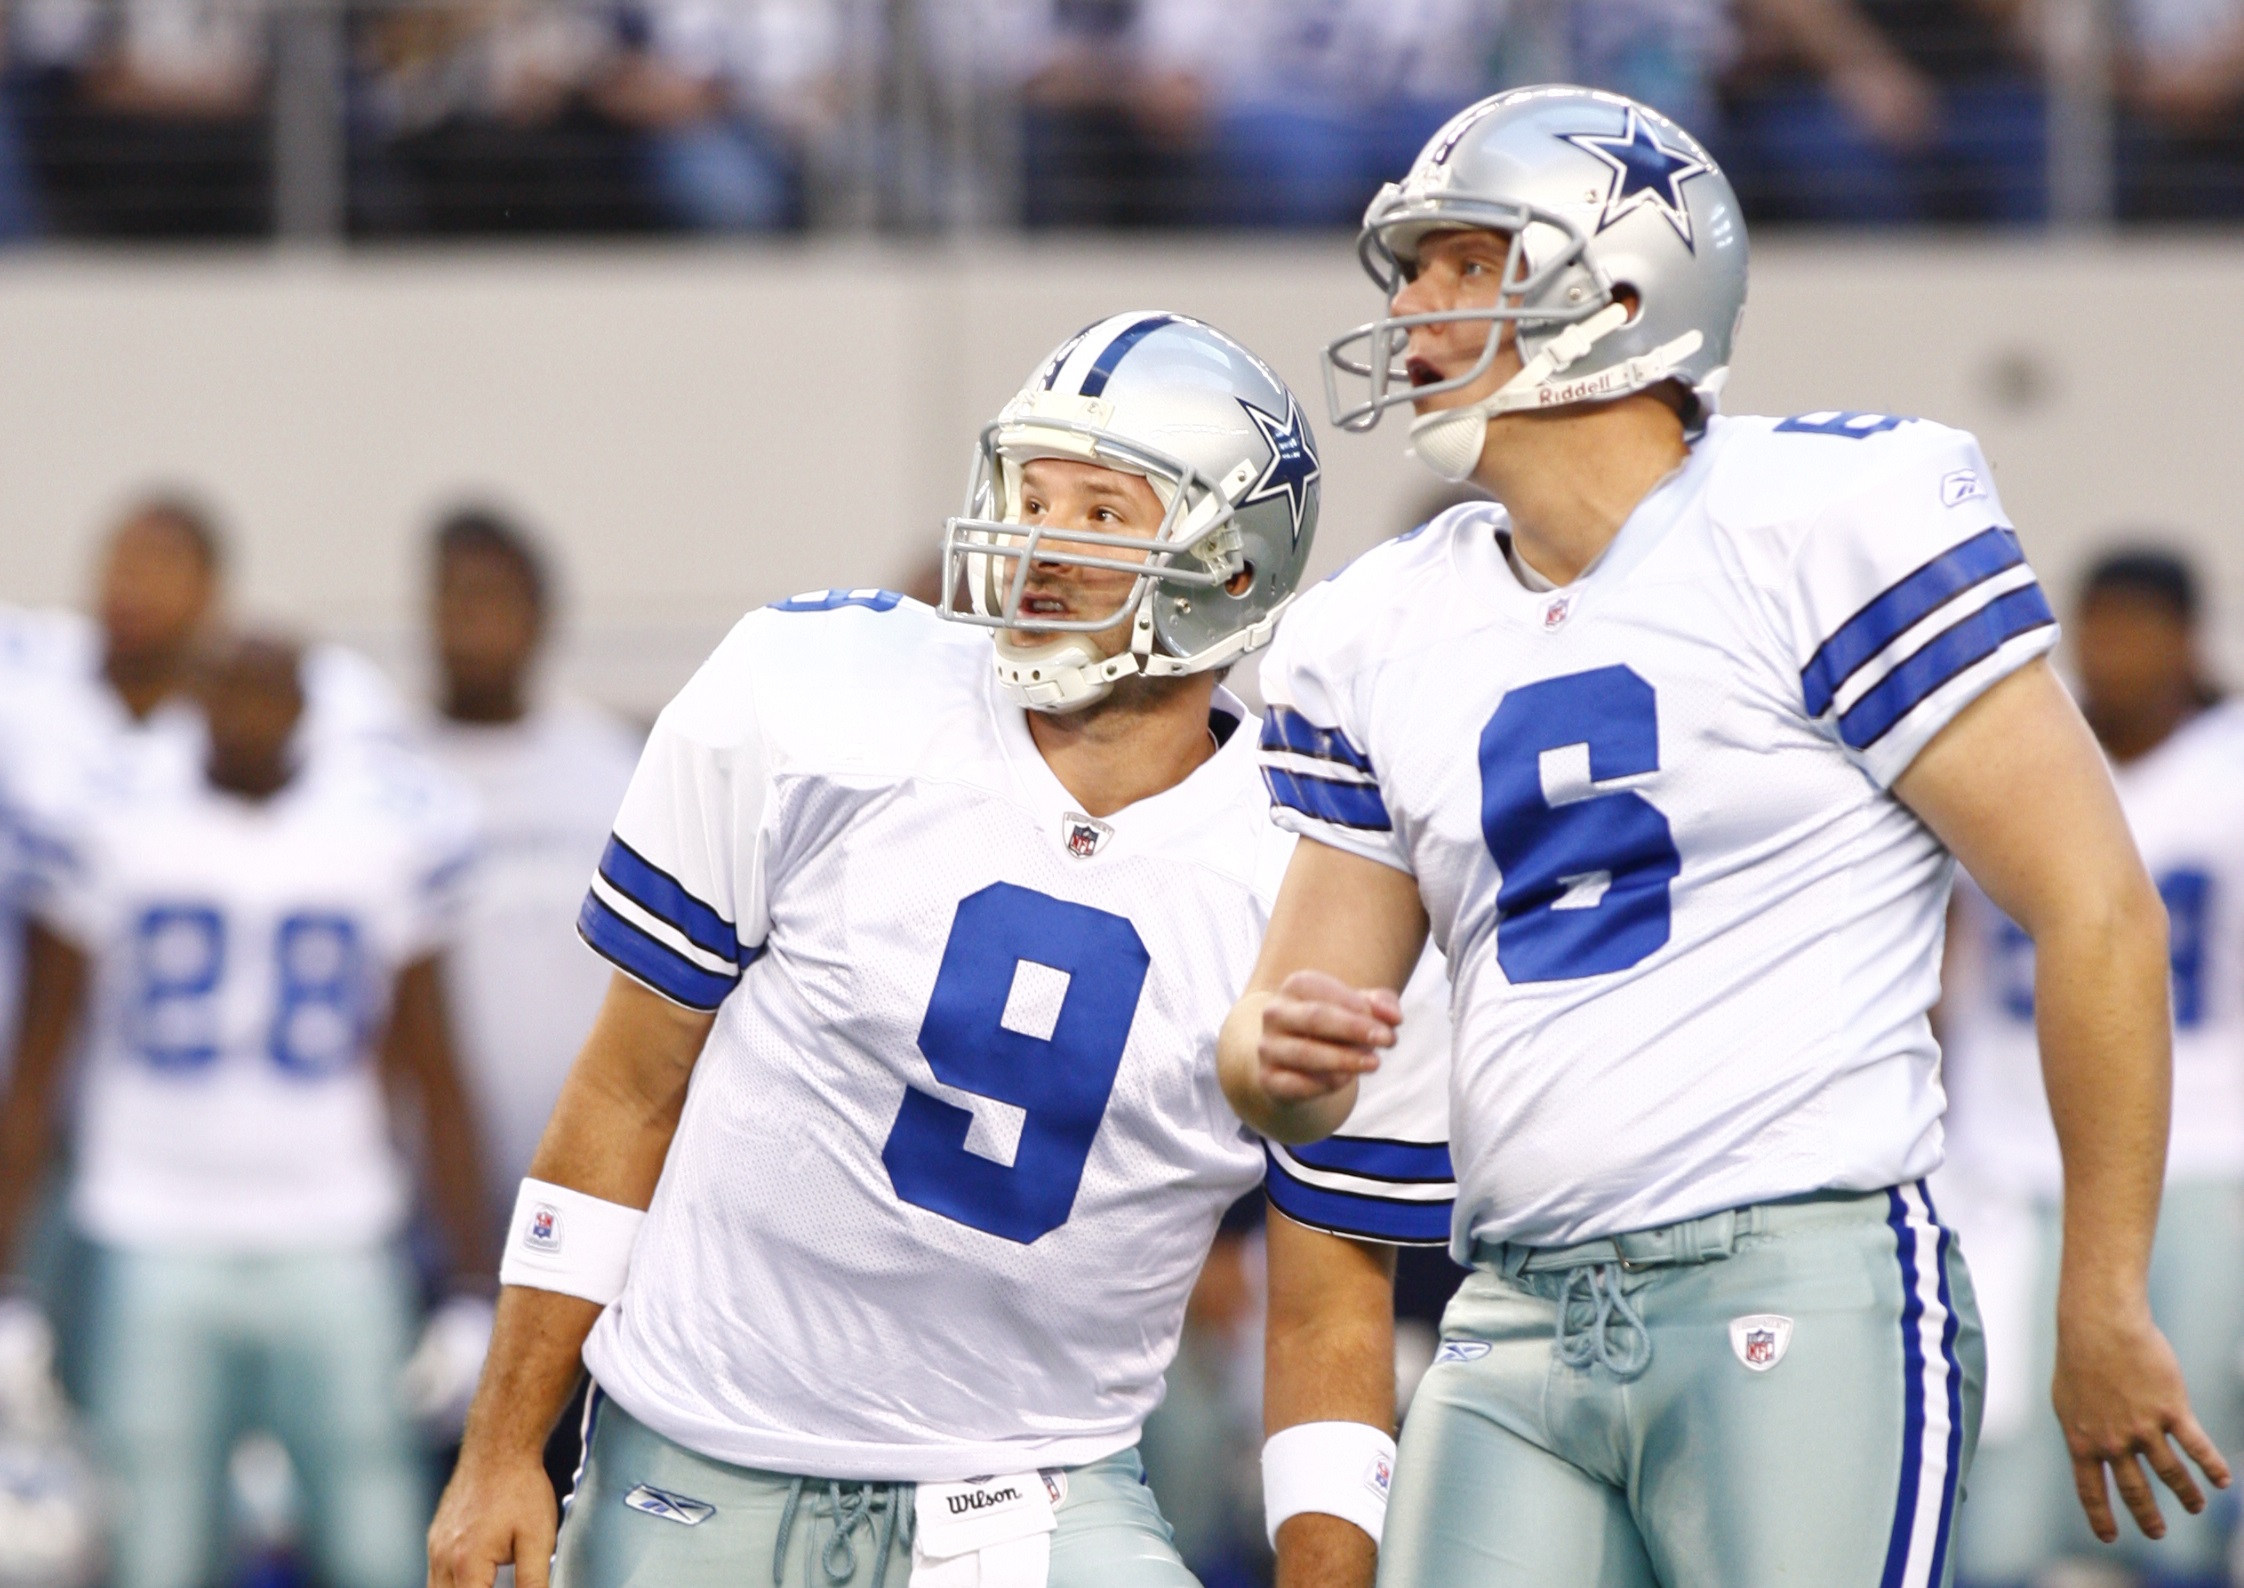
{"x":548,"y":775}
{"x":903,"y":1113}
{"x":250,"y":962}
{"x":2177,"y":754}
{"x":1674,"y":747}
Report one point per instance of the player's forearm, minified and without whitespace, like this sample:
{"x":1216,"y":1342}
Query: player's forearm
{"x":2100,"y":989}
{"x":417,"y":1050}
{"x":1329,"y":1357}
{"x":53,"y":992}
{"x":1239,"y":1067}
{"x":619,"y":1108}
{"x":536,"y":1358}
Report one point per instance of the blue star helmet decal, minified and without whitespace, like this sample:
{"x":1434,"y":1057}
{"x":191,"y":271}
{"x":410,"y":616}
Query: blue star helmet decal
{"x":1292,"y":468}
{"x":1645,"y":172}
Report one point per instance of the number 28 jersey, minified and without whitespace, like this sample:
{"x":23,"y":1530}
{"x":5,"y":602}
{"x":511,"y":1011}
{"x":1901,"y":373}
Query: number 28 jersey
{"x":243,"y":954}
{"x":1692,"y":935}
{"x":954,"y":1150}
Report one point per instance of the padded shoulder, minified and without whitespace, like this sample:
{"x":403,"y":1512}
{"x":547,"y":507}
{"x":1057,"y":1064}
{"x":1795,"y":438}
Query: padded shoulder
{"x":1772,"y":472}
{"x":836,"y":678}
{"x":1348,"y":605}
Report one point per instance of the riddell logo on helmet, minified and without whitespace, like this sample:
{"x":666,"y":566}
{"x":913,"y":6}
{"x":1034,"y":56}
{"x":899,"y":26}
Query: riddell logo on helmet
{"x":1605,"y":383}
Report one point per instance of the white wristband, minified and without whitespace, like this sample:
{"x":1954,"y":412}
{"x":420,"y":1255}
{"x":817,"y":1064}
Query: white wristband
{"x":566,"y":1241}
{"x":1337,"y":1469}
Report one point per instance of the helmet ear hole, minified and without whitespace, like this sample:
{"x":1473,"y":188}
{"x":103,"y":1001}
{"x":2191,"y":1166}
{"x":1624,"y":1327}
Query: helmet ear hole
{"x":1241,"y":582}
{"x":1628,"y":298}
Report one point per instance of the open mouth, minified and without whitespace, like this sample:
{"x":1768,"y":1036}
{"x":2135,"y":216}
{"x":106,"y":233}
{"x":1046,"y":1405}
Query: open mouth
{"x":1040,"y":604}
{"x":1421,"y":372}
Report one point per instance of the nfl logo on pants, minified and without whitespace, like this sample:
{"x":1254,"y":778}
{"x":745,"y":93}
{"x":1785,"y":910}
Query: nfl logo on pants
{"x":1760,"y":1339}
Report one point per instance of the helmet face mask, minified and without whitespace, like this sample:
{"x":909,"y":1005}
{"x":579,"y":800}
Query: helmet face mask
{"x":1373,"y":351}
{"x":1595,"y":193}
{"x":1221,"y":442}
{"x":992,"y":551}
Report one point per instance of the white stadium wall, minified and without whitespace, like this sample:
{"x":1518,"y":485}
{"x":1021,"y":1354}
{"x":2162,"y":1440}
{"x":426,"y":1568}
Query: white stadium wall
{"x":700,"y":430}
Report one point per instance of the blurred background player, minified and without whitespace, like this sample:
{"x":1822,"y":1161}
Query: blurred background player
{"x":2177,"y":755}
{"x":548,"y":774}
{"x":249,"y":963}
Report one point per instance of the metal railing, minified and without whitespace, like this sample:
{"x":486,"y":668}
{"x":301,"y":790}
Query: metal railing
{"x":388,"y":118}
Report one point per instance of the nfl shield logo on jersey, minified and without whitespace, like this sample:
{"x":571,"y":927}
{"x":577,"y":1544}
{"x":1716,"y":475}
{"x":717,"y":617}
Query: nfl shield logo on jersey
{"x":1761,"y":1339}
{"x":1556,"y":611}
{"x":1085,"y":836}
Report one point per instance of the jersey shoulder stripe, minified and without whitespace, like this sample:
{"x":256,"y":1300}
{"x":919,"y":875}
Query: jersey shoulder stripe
{"x":662,"y":896}
{"x":1360,"y":1214}
{"x":1287,"y":729}
{"x":632,"y":948}
{"x":1901,"y":607}
{"x":1378,"y":1158}
{"x":1930,"y":668}
{"x":1356,"y":805}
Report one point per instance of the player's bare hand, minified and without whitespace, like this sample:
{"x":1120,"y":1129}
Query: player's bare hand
{"x":493,"y":1512}
{"x":1319,"y":1033}
{"x":2122,"y":1403}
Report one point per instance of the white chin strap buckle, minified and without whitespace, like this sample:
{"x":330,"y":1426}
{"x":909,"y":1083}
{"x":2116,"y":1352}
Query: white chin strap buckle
{"x":1450,"y":442}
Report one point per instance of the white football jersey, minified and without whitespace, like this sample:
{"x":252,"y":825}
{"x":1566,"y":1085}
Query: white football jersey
{"x":243,"y":955}
{"x":2185,"y":804}
{"x":955,"y":1150}
{"x":62,"y":727}
{"x":523,"y":990}
{"x":1692,"y":937}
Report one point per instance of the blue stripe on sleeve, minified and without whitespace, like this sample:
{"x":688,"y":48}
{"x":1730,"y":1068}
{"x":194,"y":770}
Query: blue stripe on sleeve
{"x":1970,"y":642}
{"x":1343,"y":804}
{"x":1110,"y":357}
{"x":657,"y":964}
{"x":1902,"y":606}
{"x":1343,"y":1213}
{"x":1287,"y":729}
{"x":1374,"y":1158}
{"x":666,"y":899}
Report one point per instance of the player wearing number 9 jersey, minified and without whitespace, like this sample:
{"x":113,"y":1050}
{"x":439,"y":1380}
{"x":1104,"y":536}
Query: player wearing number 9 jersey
{"x":1673,"y":748}
{"x":943,"y":949}
{"x":250,"y":961}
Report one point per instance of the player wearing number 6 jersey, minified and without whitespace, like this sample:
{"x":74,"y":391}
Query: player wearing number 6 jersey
{"x":943,"y":950}
{"x":248,"y":964}
{"x":1674,"y":748}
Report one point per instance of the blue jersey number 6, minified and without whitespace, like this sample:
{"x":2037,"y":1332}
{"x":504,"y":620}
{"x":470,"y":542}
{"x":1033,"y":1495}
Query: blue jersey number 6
{"x":1060,"y":1080}
{"x":1585,"y":883}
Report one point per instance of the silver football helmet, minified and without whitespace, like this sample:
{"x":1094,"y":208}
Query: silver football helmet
{"x":1220,"y":439}
{"x":1596,"y":193}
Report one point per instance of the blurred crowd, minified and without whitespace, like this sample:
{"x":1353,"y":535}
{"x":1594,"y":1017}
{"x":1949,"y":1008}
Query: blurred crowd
{"x":161,"y":118}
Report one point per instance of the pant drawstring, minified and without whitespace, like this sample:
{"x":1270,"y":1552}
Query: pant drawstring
{"x":849,"y":1506}
{"x":1595,"y":1288}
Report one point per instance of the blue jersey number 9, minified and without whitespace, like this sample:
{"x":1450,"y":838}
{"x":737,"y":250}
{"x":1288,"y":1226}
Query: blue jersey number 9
{"x":1585,"y":882}
{"x":1002,"y":1026}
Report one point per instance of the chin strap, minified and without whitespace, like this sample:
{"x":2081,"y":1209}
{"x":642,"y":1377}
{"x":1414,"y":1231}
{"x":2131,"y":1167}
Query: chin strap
{"x":1066,"y":677}
{"x":1449,"y":442}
